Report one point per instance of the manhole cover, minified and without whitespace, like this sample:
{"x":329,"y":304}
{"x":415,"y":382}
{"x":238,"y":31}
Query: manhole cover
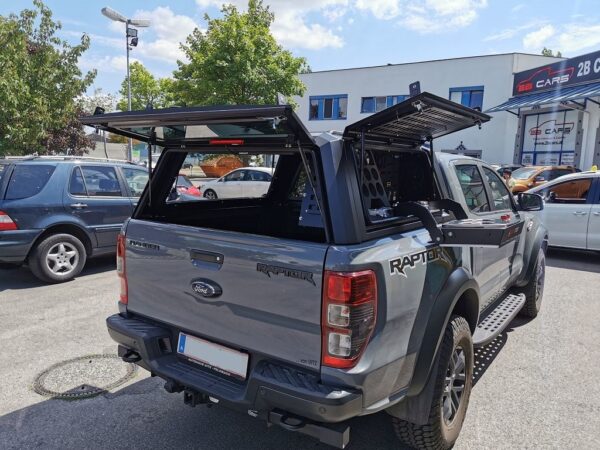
{"x":83,"y":377}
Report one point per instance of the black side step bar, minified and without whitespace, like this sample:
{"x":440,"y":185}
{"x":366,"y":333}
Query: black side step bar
{"x":336,"y":435}
{"x":497,"y":320}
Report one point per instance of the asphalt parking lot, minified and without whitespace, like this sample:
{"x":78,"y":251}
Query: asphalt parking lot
{"x":537,"y":385}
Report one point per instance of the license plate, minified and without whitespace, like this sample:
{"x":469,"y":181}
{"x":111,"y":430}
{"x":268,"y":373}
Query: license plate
{"x":213,"y":356}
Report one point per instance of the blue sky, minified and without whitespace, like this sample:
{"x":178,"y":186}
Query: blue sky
{"x":336,"y":33}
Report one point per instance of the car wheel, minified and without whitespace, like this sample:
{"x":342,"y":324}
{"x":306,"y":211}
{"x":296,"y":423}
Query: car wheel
{"x":57,"y":258}
{"x":453,"y":383}
{"x":210,"y":194}
{"x":534,"y":289}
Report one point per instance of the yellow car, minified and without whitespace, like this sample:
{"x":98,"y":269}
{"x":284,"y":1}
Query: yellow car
{"x":529,"y":177}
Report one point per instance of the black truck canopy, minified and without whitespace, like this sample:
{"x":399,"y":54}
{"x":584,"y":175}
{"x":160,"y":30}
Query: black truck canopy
{"x":415,"y":121}
{"x":262,"y":126}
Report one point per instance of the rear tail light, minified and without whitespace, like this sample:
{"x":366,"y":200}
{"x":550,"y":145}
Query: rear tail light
{"x":348,"y":318}
{"x":6,"y":223}
{"x":123,"y":298}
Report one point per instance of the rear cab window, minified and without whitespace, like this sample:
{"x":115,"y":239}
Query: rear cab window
{"x":501,"y":198}
{"x":28,"y":180}
{"x":473,"y":188}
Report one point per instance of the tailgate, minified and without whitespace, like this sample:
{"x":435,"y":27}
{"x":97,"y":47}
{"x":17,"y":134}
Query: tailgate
{"x":270,"y":289}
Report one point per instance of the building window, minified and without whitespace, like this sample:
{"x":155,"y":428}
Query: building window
{"x":468,"y":96}
{"x":328,"y":107}
{"x":376,"y":104}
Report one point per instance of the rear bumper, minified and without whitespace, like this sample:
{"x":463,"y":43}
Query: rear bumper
{"x":270,"y":387}
{"x":15,"y":245}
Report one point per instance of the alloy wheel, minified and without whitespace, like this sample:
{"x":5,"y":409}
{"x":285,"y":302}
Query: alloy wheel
{"x":62,"y":258}
{"x":454,"y":385}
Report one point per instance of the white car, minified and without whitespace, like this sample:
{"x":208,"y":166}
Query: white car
{"x":572,"y":210}
{"x":245,"y":182}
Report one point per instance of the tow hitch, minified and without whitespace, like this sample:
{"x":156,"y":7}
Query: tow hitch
{"x":336,"y":435}
{"x":193,"y":398}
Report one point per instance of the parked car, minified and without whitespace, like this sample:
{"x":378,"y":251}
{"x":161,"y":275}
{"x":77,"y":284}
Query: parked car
{"x":246,"y":181}
{"x":359,"y":283}
{"x":56,"y":212}
{"x":503,"y":167}
{"x":184,"y":190}
{"x":532,"y":176}
{"x":572,"y":211}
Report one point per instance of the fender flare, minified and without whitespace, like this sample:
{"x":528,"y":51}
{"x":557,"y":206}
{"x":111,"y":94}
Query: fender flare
{"x":415,"y":406}
{"x":531,"y":250}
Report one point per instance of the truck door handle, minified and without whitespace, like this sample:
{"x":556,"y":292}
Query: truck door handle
{"x":580,"y":213}
{"x":596,"y":213}
{"x":79,"y":205}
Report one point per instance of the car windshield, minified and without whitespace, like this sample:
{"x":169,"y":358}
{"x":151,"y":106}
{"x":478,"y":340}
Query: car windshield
{"x":524,"y":173}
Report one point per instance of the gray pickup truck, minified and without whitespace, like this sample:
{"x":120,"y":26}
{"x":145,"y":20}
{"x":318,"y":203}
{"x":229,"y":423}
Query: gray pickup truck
{"x":360,"y":282}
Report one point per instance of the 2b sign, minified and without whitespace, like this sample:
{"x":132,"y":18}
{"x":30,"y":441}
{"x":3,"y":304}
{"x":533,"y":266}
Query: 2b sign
{"x":582,"y":69}
{"x":586,"y":67}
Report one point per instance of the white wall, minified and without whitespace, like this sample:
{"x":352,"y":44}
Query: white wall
{"x":495,"y":72}
{"x":591,"y":119}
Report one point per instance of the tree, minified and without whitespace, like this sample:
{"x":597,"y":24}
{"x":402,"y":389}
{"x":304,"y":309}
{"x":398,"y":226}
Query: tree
{"x":548,"y":52}
{"x":88,"y":103}
{"x":237,"y":61}
{"x":108,"y":102}
{"x":70,"y":139}
{"x":145,"y":89}
{"x":39,"y":82}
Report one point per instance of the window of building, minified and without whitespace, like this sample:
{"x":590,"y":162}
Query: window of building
{"x":468,"y":96}
{"x":376,"y":104}
{"x":328,"y":107}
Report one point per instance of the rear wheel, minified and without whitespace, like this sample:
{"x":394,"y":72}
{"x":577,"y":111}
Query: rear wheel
{"x":57,"y":258}
{"x":210,"y":194}
{"x":534,"y":289}
{"x":452,"y":390}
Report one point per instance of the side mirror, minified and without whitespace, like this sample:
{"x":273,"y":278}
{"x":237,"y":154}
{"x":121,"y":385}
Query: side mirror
{"x":551,"y":197}
{"x":539,"y":179}
{"x":530,"y":202}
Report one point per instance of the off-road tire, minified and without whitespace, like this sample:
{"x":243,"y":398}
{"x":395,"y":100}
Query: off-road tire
{"x":37,"y":258}
{"x":214,"y":194}
{"x":534,"y":289}
{"x":437,"y":434}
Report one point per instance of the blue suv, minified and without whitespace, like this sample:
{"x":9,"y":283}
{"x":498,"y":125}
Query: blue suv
{"x":56,"y":212}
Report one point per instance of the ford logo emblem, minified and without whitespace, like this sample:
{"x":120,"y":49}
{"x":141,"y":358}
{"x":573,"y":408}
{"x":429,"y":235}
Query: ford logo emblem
{"x":206,"y":288}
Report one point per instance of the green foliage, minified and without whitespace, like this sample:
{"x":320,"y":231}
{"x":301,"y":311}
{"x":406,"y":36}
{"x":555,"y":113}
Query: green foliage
{"x":548,"y":52}
{"x":145,"y":89}
{"x":39,"y":82}
{"x":237,"y":61}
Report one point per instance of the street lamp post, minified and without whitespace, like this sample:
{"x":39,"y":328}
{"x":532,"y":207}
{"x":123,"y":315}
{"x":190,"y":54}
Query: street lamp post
{"x":130,"y":32}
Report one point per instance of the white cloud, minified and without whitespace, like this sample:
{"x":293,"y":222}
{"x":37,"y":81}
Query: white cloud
{"x":508,"y":33}
{"x":381,"y":9}
{"x":517,"y":7}
{"x":538,"y":39}
{"x":108,"y":64}
{"x":170,"y":29}
{"x":577,"y":36}
{"x":425,"y":16}
{"x":293,"y":27}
